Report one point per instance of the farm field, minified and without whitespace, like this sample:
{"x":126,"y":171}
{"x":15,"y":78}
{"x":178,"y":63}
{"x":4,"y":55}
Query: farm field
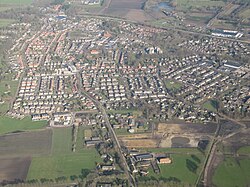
{"x":11,"y":168}
{"x":232,"y":172}
{"x":8,"y":125}
{"x":26,"y":144}
{"x":62,"y":161}
{"x":178,"y":168}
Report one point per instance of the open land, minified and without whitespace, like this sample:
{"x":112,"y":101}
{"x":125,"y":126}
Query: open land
{"x":178,"y":169}
{"x":62,"y":161}
{"x":5,"y":22}
{"x":8,"y":124}
{"x":232,"y":172}
{"x":14,"y":168}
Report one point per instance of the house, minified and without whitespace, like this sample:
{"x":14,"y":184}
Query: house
{"x":144,"y":156}
{"x":165,"y":160}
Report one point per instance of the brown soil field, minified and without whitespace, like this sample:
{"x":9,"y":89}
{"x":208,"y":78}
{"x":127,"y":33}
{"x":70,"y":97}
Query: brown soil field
{"x":150,"y":143}
{"x":187,"y":128}
{"x":26,"y":144}
{"x":14,"y":168}
{"x":129,"y":9}
{"x":136,"y":136}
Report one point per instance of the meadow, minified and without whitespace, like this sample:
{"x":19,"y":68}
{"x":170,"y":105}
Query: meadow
{"x":8,"y":124}
{"x":232,"y":172}
{"x":178,"y":168}
{"x":62,"y":161}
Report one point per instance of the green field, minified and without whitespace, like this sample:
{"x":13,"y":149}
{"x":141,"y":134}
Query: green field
{"x":185,"y":5}
{"x":62,"y":161}
{"x":8,"y":89}
{"x":244,"y":150}
{"x":16,"y":2}
{"x":172,"y":85}
{"x":178,"y":169}
{"x":6,"y":22}
{"x":231,"y":173}
{"x":8,"y":124}
{"x":210,"y":105}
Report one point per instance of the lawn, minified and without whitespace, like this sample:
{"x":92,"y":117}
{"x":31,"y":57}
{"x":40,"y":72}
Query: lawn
{"x":62,"y":161}
{"x":178,"y":169}
{"x":8,"y":124}
{"x":231,"y":173}
{"x":210,"y":105}
{"x":6,"y":22}
{"x":172,"y":85}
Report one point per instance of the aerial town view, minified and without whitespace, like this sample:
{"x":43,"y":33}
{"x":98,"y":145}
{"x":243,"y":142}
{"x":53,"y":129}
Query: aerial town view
{"x":125,"y":93}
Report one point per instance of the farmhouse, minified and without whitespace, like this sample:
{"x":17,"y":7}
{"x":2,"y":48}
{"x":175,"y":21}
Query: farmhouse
{"x":165,"y":160}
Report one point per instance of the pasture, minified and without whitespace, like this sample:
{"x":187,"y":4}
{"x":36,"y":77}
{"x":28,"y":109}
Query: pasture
{"x":178,"y":168}
{"x":232,"y":172}
{"x":62,"y":161}
{"x":8,"y":125}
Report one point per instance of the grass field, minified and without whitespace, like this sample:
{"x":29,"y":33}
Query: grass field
{"x":62,"y":161}
{"x":244,"y":150}
{"x":8,"y":89}
{"x":178,"y":169}
{"x":195,"y":4}
{"x":172,"y":85}
{"x":8,"y":124}
{"x":6,"y":22}
{"x":16,"y":2}
{"x":208,"y":105}
{"x":231,"y":173}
